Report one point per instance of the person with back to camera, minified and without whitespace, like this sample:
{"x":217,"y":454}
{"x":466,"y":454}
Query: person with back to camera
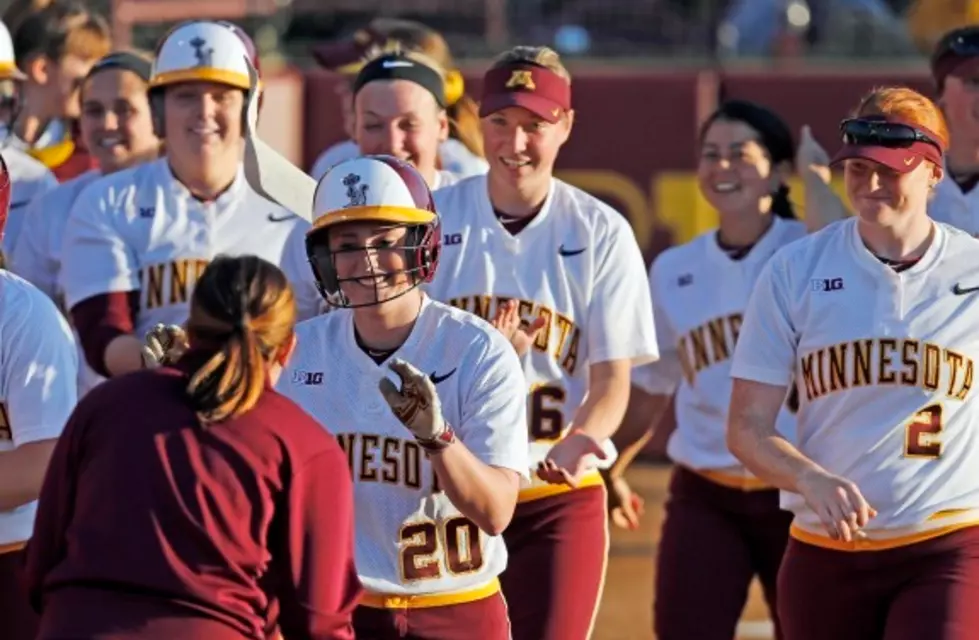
{"x":723,"y":526}
{"x":193,"y":500}
{"x":874,"y":319}
{"x":428,"y":401}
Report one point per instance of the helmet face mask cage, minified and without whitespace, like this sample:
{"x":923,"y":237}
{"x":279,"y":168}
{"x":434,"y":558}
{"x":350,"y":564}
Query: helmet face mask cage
{"x":420,"y":247}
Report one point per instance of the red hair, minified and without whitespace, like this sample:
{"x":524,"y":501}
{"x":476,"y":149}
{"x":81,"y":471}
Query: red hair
{"x":905,"y":104}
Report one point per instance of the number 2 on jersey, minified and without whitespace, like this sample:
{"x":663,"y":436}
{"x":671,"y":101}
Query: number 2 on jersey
{"x":546,"y":420}
{"x":459,"y":537}
{"x":922,"y":436}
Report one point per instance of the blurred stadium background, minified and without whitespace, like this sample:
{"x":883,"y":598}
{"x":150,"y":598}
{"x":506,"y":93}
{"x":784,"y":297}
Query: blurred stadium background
{"x":645,"y":73}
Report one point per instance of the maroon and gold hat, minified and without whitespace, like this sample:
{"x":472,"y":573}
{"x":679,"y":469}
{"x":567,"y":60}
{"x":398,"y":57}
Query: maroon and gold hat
{"x":523,"y":84}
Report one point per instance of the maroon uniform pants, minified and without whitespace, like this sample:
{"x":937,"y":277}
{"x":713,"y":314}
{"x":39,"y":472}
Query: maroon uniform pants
{"x":485,"y":618}
{"x":926,"y":590}
{"x":715,"y":540}
{"x":18,"y":621}
{"x":558,"y":547}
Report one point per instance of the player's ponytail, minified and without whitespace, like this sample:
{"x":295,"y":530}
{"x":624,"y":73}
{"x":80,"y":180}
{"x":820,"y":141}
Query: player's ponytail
{"x":773,"y":134}
{"x":242,"y":313}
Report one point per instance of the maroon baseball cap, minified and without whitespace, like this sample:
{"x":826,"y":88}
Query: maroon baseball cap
{"x":533,"y":87}
{"x":346,"y":56}
{"x":900,"y":149}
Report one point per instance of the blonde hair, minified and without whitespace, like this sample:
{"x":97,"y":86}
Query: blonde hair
{"x":462,"y":110}
{"x":244,"y":309}
{"x":542,"y":56}
{"x":908,"y":105}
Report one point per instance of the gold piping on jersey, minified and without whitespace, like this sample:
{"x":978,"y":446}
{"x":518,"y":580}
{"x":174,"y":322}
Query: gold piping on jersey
{"x":939,"y":524}
{"x":591,"y":479}
{"x":390,"y":601}
{"x":886,"y":361}
{"x":732,"y":481}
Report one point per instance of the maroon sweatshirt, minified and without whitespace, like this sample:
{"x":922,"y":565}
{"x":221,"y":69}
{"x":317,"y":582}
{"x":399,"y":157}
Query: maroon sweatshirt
{"x":150,"y":526}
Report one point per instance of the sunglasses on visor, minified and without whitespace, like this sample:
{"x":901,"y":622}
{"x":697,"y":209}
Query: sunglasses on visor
{"x":893,"y":135}
{"x":964,"y":44}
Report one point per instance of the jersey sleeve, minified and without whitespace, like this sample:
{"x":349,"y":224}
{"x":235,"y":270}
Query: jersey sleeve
{"x":663,"y":376}
{"x":295,"y":266}
{"x":494,"y":410}
{"x":766,"y":347}
{"x":31,"y":258}
{"x":40,"y":368}
{"x":95,"y":256}
{"x":620,"y":312}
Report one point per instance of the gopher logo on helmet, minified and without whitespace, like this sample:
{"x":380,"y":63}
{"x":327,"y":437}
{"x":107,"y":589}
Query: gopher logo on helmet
{"x":204,"y":56}
{"x":357,"y":195}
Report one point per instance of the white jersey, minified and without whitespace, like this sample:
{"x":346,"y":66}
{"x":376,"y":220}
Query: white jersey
{"x":578,"y":264}
{"x":950,"y":205}
{"x":141,"y":229}
{"x":884,"y":363}
{"x":28,"y":180}
{"x":410,"y":539}
{"x":456,"y":159}
{"x":38,"y":374}
{"x":37,"y":256}
{"x":699,"y":296}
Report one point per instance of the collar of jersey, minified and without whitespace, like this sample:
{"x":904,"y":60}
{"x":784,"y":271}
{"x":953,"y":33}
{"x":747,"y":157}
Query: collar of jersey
{"x":230,"y":195}
{"x":869,"y":261}
{"x":364,"y":362}
{"x":489,"y":219}
{"x":766,"y":245}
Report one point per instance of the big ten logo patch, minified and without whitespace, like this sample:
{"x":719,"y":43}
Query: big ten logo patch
{"x":450,"y":239}
{"x":5,"y":433}
{"x":826,"y":284}
{"x":307,"y":377}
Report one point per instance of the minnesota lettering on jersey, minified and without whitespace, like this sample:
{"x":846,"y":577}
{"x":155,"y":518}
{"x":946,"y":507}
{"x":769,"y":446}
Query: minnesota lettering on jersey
{"x":168,"y":283}
{"x":881,"y":361}
{"x":377,"y":458}
{"x":709,"y":344}
{"x":563,"y":348}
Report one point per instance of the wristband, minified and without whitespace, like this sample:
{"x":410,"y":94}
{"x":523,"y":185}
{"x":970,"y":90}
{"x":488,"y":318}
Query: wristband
{"x":439,"y":442}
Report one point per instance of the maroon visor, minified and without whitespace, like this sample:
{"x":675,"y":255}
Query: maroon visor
{"x":898,"y":145}
{"x":533,"y":87}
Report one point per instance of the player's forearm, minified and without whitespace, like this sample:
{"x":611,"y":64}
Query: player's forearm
{"x":643,"y":414}
{"x":823,"y":206}
{"x":600,"y":415}
{"x":484,"y":494}
{"x":123,"y":355}
{"x":22,"y":473}
{"x":753,"y":440}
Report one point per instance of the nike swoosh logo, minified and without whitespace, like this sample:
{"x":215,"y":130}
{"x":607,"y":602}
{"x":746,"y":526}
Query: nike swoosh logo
{"x":281,"y":217}
{"x":570,"y":252}
{"x":437,"y":378}
{"x":959,"y":290}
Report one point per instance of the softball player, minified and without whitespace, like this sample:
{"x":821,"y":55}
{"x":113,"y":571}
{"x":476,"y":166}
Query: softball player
{"x":30,"y":178}
{"x":523,"y":247}
{"x":138,"y":240}
{"x":460,"y":154}
{"x":723,"y":526}
{"x":222,"y":510}
{"x":436,"y":464}
{"x":399,"y":110}
{"x":117,"y":127}
{"x":955,"y":199}
{"x":873,"y":317}
{"x":38,"y":377}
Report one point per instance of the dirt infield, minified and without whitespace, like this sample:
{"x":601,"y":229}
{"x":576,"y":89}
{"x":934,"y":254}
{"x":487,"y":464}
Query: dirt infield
{"x":626,"y":612}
